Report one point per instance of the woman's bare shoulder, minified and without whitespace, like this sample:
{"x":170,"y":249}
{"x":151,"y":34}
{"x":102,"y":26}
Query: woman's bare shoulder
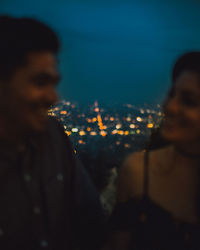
{"x":159,"y":159}
{"x":133,"y":162}
{"x":131,"y":176}
{"x":160,"y":152}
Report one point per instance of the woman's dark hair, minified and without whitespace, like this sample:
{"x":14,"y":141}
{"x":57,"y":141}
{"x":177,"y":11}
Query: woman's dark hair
{"x":20,"y":36}
{"x":155,"y":140}
{"x":187,"y":62}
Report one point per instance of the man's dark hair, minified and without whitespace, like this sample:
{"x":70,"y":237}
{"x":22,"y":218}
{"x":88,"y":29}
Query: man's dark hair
{"x":20,"y":36}
{"x":187,"y":62}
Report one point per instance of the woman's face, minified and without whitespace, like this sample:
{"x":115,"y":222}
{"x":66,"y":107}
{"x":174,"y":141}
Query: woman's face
{"x":182,"y":110}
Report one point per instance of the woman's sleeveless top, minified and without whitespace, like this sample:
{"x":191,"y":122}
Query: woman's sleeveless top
{"x":152,"y":227}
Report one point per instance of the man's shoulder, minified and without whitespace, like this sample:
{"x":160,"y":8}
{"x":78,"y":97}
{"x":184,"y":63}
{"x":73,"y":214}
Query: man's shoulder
{"x":56,"y":134}
{"x":54,"y":123}
{"x":54,"y":126}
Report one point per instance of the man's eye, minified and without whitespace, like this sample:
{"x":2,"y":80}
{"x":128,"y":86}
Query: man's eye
{"x":41,"y":83}
{"x":190,"y":102}
{"x":45,"y":79}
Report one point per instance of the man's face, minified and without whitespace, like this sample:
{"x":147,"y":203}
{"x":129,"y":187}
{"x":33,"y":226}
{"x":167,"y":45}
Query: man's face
{"x":31,"y":91}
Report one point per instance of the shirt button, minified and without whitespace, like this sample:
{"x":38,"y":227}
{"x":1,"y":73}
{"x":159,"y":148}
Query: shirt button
{"x":36,"y":210}
{"x":44,"y":243}
{"x":27,"y":177}
{"x":60,"y":177}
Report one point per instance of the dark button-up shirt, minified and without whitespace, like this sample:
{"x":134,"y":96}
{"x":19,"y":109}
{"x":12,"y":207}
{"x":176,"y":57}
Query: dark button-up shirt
{"x":47,"y":200}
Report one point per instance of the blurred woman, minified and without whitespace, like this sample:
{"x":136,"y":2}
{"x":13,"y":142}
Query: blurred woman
{"x":158,"y":190}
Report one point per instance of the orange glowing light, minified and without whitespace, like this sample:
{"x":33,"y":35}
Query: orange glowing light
{"x":150,"y":125}
{"x":81,"y":142}
{"x":103,"y":133}
{"x":94,"y":119}
{"x":93,"y":133}
{"x":120,"y":132}
{"x":114,"y":132}
{"x":68,"y":132}
{"x":81,"y":133}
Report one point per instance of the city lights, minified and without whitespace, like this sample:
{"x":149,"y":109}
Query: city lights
{"x":96,"y":123}
{"x":132,"y":125}
{"x":63,"y":112}
{"x":139,"y":119}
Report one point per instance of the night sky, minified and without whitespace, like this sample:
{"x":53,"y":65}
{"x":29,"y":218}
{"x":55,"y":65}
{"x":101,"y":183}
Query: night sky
{"x":116,"y":51}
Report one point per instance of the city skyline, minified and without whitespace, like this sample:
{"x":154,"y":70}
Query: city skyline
{"x":100,"y":120}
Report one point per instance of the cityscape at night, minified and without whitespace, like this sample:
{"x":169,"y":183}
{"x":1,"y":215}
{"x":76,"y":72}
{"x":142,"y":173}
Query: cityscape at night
{"x":99,"y":125}
{"x":95,"y":125}
{"x":103,"y":135}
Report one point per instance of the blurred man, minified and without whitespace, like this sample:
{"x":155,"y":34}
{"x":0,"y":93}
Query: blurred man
{"x":47,"y":200}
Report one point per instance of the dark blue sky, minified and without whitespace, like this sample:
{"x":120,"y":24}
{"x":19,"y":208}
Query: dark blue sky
{"x":116,"y":51}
